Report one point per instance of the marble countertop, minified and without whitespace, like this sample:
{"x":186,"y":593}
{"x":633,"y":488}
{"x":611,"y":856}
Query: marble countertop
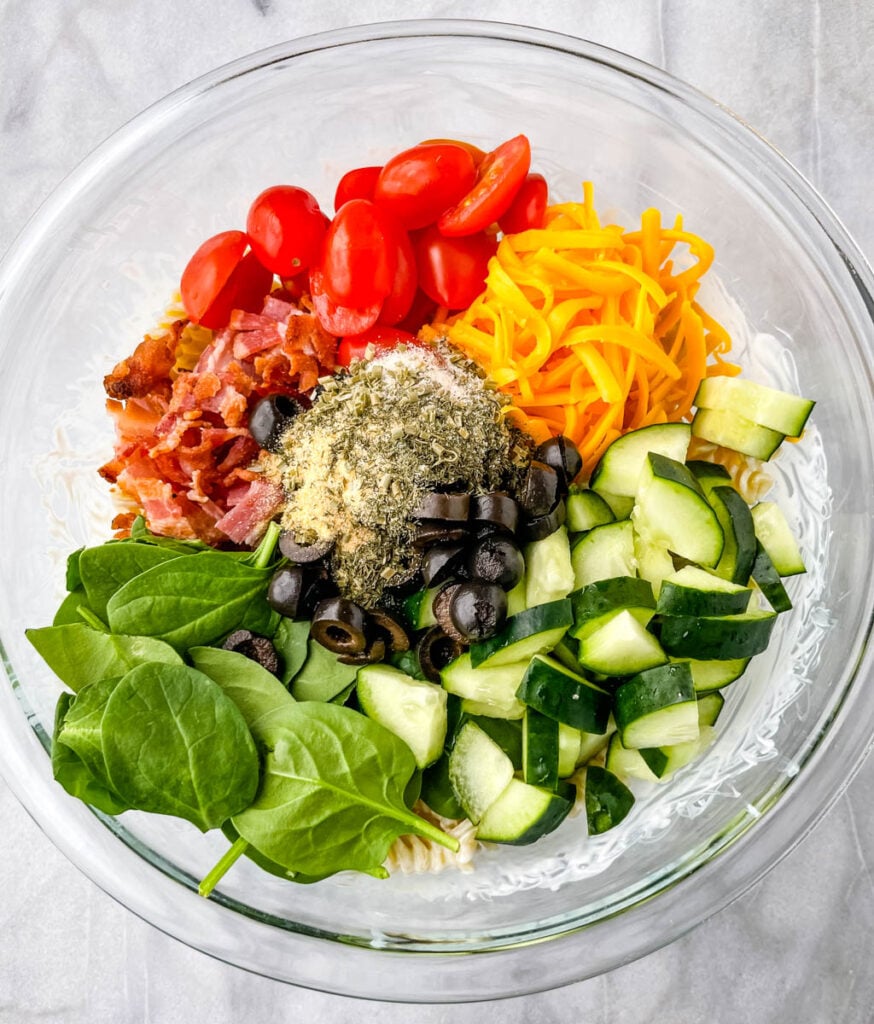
{"x":797,"y":947}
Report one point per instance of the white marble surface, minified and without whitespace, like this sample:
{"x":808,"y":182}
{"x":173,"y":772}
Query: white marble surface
{"x":797,"y":948}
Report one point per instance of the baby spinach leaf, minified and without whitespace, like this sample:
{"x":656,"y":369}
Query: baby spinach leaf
{"x":74,"y":577}
{"x":176,"y":744}
{"x":80,"y":655}
{"x":188,"y":601}
{"x":322,"y":676}
{"x":290,"y":640}
{"x":259,"y":695}
{"x":106,"y":568}
{"x":81,"y":729}
{"x":68,"y":611}
{"x":71,"y":772}
{"x":332,"y":796}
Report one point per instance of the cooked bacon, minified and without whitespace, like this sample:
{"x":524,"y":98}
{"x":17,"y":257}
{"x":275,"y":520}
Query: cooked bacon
{"x":148,"y":369}
{"x":249,"y":517}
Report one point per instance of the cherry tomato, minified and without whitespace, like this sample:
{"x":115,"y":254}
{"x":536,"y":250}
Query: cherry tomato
{"x":219,"y":278}
{"x":399,"y":300}
{"x":359,"y":183}
{"x":339,"y":320}
{"x":359,"y":256}
{"x":416,"y":186}
{"x":527,"y":209}
{"x":452,"y":271}
{"x":476,"y":153}
{"x":421,"y":312}
{"x":499,"y":178}
{"x":381,"y":338}
{"x":285,"y":228}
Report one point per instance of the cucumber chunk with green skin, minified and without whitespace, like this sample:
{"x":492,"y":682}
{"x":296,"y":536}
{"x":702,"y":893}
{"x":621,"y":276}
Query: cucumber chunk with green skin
{"x":620,"y":504}
{"x":768,"y":407}
{"x":586,"y":509}
{"x":505,"y":732}
{"x":618,"y":471}
{"x":657,"y":708}
{"x":604,"y":553}
{"x":491,"y":687}
{"x":716,"y":638}
{"x":713,"y":675}
{"x":539,"y":749}
{"x":413,"y":710}
{"x":592,"y":743}
{"x":709,"y":474}
{"x":608,"y":800}
{"x":478,"y":770}
{"x":522,"y":814}
{"x":710,"y":707}
{"x":671,"y":510}
{"x":654,"y":561}
{"x":726,"y":428}
{"x":419,"y":608}
{"x":516,"y":598}
{"x":531,"y":632}
{"x":437,"y":791}
{"x":510,"y":712}
{"x":626,"y":762}
{"x":768,"y":581}
{"x":775,"y":536}
{"x":620,"y":647}
{"x":558,"y":693}
{"x":569,"y":742}
{"x":549,"y":574}
{"x":596,"y":603}
{"x":694,"y":591}
{"x":566,"y":651}
{"x":739,"y":552}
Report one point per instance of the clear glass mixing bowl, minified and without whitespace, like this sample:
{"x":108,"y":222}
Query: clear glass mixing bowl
{"x":93,"y":271}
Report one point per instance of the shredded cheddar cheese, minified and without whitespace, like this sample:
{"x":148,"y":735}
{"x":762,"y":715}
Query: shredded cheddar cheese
{"x":592,"y":330}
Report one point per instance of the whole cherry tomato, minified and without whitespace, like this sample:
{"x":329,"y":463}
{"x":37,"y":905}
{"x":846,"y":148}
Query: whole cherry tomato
{"x":499,"y":178}
{"x":528,"y":208}
{"x":421,"y":312}
{"x":358,"y":183}
{"x":452,"y":271}
{"x":381,"y":338}
{"x":476,"y":153}
{"x":399,"y":300}
{"x":286,"y":228}
{"x":416,"y":186}
{"x":339,"y":320}
{"x":219,"y":278}
{"x":359,"y":255}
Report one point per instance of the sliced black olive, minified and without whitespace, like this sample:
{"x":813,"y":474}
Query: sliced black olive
{"x":540,"y":491}
{"x":286,"y":591}
{"x":478,"y":610}
{"x":270,"y":418}
{"x":563,"y":455}
{"x":450,"y":507}
{"x":385,"y":622}
{"x":436,"y":531}
{"x":435,"y":651}
{"x":440,"y":607}
{"x":375,"y":651}
{"x":254,"y":646}
{"x":316,"y":589}
{"x":496,"y":559}
{"x":303,"y":554}
{"x":441,"y":562}
{"x":543,"y":526}
{"x":339,"y":625}
{"x":238,"y":637}
{"x":495,"y":509}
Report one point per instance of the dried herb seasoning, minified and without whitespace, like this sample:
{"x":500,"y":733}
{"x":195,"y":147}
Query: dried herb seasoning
{"x":356,"y":465}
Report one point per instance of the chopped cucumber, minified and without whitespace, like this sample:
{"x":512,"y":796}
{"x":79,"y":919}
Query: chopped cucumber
{"x":419,"y":608}
{"x":413,"y":710}
{"x":694,"y":591}
{"x":739,"y":552}
{"x":709,"y":474}
{"x":437,"y":791}
{"x":505,"y":732}
{"x":521,"y":814}
{"x":767,"y":407}
{"x":768,"y":581}
{"x":657,"y":707}
{"x":592,"y":743}
{"x":492,"y":690}
{"x":555,"y":691}
{"x":549,"y":574}
{"x":569,"y":743}
{"x":539,"y":749}
{"x":618,"y":471}
{"x":608,"y":800}
{"x":776,"y":538}
{"x":534,"y":631}
{"x":620,"y":504}
{"x":720,"y":638}
{"x":478,"y":770}
{"x":710,"y":707}
{"x":654,"y":561}
{"x":604,"y":553}
{"x":620,"y":647}
{"x":626,"y":762}
{"x":598,"y":602}
{"x":713,"y":675}
{"x":516,"y":598}
{"x":586,"y":509}
{"x":727,"y":428}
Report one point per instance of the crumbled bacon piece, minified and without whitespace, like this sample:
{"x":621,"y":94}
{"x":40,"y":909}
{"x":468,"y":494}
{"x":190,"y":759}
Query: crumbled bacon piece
{"x":148,"y":369}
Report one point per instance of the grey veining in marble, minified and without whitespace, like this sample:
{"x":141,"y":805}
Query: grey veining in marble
{"x":798,"y":947}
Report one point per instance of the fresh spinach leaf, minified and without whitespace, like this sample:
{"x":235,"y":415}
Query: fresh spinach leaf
{"x":71,"y":772}
{"x":290,"y":640}
{"x":189,"y":602}
{"x":74,"y":577}
{"x":265,"y":863}
{"x":81,"y":729}
{"x":80,"y":655}
{"x":259,"y":695}
{"x":176,"y":744}
{"x":408,"y":662}
{"x":322,"y":677}
{"x":104,"y":569}
{"x":68,"y":611}
{"x":332,"y":796}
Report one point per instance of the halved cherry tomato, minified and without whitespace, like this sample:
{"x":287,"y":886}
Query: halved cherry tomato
{"x":499,"y":179}
{"x":339,"y":320}
{"x":399,"y":300}
{"x":527,"y":209}
{"x":359,"y":255}
{"x":219,"y":278}
{"x":286,"y":228}
{"x":416,"y":186}
{"x":381,"y":338}
{"x":452,"y":271}
{"x":476,"y":153}
{"x":358,"y":183}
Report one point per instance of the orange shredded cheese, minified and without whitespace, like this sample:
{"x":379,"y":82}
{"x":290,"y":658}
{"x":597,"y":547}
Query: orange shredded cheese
{"x":593,"y":330}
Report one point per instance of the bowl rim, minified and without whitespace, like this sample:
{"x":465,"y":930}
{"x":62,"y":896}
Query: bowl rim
{"x":430,"y":974}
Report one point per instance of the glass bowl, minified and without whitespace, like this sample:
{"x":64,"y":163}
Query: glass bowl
{"x":98,"y":264}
